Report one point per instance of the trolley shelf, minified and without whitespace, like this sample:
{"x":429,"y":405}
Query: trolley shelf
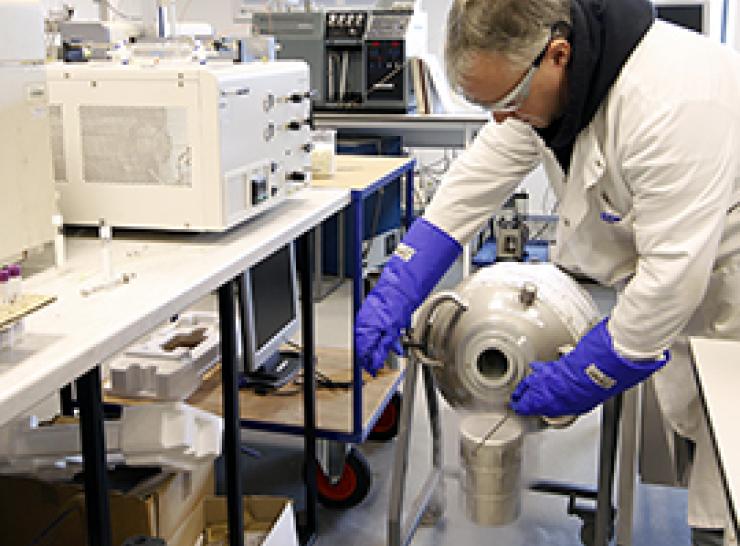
{"x":283,"y":412}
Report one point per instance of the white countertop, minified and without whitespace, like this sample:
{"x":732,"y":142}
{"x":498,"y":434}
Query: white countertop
{"x":359,"y":172}
{"x":417,"y":130}
{"x":717,"y":365}
{"x":71,"y":336}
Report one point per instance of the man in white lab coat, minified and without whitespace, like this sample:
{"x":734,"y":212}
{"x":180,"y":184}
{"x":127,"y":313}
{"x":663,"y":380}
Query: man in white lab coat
{"x":637,"y":124}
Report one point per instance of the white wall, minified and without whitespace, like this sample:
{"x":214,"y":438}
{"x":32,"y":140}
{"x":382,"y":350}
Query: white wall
{"x":219,"y":13}
{"x":83,"y":9}
{"x":437,"y":10}
{"x":733,"y":36}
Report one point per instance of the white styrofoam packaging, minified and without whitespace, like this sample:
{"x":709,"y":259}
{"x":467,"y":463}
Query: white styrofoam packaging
{"x":27,"y":448}
{"x":172,"y":435}
{"x":177,"y":145}
{"x":169,"y":364}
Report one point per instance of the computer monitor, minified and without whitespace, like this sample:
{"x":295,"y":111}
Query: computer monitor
{"x":693,"y":15}
{"x":268,"y":307}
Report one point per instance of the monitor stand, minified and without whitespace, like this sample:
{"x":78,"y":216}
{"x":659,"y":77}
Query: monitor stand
{"x":279,"y":370}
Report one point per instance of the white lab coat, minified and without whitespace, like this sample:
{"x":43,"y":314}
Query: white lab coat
{"x":662,"y":159}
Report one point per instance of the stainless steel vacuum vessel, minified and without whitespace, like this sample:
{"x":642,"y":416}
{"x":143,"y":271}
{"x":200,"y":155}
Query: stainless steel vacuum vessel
{"x":479,"y":340}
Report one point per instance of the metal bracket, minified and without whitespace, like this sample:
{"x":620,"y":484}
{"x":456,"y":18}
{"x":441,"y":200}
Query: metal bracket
{"x":419,"y":347}
{"x":431,"y":498}
{"x":331,"y":457}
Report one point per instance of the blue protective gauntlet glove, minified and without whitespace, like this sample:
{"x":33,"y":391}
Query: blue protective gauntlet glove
{"x":420,"y":260}
{"x":582,"y":379}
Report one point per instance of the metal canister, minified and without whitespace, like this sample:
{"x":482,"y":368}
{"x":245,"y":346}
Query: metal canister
{"x":491,"y":467}
{"x":515,"y":314}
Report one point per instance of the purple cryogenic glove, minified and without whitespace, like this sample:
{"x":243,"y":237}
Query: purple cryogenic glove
{"x":419,"y":261}
{"x":582,"y":379}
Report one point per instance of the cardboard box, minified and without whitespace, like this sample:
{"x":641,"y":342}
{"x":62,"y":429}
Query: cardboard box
{"x":191,"y":528}
{"x":268,"y":521}
{"x":155,"y":506}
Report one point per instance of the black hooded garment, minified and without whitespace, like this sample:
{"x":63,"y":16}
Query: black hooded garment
{"x":603,"y":36}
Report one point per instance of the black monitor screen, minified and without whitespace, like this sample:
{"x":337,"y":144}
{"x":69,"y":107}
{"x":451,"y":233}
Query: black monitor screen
{"x":691,"y":17}
{"x":272,"y":296}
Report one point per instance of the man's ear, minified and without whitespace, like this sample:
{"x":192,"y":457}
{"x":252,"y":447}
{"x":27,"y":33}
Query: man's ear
{"x":560,"y":52}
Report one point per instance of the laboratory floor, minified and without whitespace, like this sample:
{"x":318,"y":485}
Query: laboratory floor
{"x":273,"y":466}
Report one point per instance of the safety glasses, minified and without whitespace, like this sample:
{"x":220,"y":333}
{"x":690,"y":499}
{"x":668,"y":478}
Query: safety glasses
{"x":515,"y":98}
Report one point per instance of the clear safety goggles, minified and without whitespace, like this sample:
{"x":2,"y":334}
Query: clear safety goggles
{"x":515,"y":98}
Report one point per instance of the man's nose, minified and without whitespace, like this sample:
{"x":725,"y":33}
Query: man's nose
{"x":501,"y":117}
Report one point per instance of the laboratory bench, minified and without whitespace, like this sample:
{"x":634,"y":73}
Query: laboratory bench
{"x":166,"y":273}
{"x":718,"y":380}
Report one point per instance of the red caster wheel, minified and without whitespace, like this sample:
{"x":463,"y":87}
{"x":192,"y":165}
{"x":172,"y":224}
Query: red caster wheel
{"x":352,"y":487}
{"x":387,"y":426}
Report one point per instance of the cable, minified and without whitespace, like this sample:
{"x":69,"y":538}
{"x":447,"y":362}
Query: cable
{"x":387,"y":77}
{"x":493,"y":430}
{"x":542,"y":230}
{"x":295,"y":345}
{"x":323,"y":381}
{"x":54,"y":523}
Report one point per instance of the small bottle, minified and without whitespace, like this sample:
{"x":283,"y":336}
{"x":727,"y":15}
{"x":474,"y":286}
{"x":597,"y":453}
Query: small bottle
{"x":125,"y":54}
{"x":106,"y":235}
{"x":199,"y":52}
{"x":58,"y":223}
{"x":14,"y":283}
{"x":4,"y":288}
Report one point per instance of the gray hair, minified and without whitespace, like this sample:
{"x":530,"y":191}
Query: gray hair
{"x":517,"y":29}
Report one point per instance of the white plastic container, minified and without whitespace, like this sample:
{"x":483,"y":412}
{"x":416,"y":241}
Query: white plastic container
{"x":323,"y":153}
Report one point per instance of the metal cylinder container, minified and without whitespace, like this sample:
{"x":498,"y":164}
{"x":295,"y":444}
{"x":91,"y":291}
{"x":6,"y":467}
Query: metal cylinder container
{"x":513,"y":314}
{"x":479,"y":339}
{"x":490,"y":480}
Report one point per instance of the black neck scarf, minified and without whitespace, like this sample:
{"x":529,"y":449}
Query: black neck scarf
{"x":604,"y":34}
